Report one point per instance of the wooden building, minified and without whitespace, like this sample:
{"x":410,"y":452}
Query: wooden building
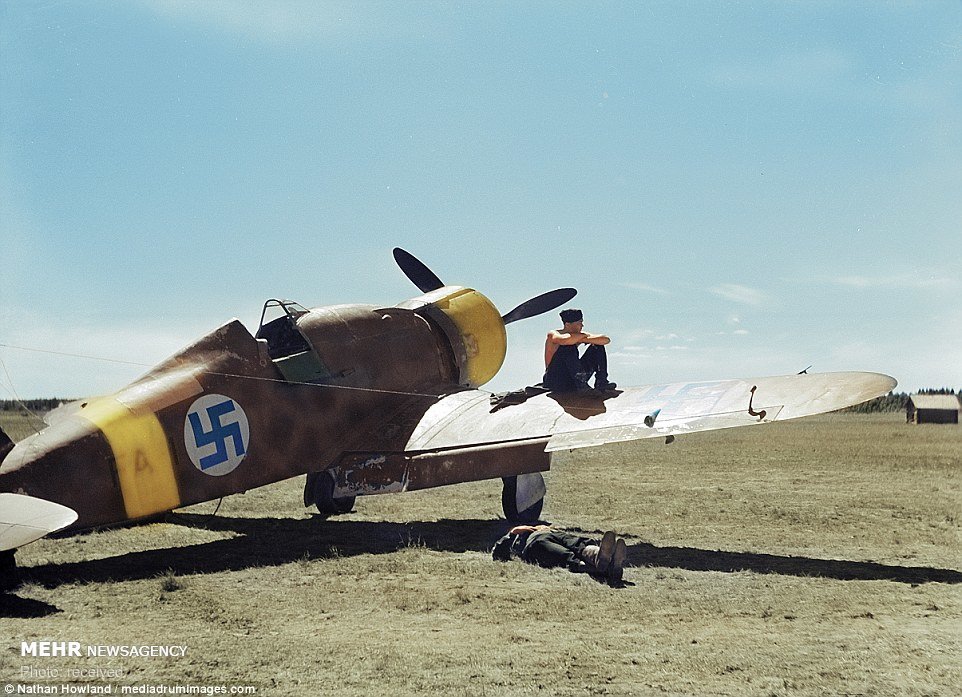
{"x":932,"y":409}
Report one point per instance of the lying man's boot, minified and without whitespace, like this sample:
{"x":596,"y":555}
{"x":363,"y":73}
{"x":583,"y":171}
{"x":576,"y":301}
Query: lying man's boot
{"x":617,"y":569}
{"x":605,"y":553}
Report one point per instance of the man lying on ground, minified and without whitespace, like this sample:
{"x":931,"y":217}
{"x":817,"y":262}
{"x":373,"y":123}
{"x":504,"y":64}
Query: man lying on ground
{"x":547,"y":547}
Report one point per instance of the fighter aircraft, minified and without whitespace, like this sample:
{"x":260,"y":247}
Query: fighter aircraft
{"x":363,"y":400}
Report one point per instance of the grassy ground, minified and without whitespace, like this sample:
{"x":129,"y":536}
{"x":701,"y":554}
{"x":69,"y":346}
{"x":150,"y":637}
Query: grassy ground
{"x":808,"y":558}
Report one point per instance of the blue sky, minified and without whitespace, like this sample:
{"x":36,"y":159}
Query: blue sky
{"x":736,"y":189}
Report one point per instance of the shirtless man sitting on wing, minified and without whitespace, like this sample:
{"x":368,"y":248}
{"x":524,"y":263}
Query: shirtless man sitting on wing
{"x":565,"y":370}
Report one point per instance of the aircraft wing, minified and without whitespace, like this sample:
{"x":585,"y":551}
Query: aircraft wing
{"x":24,"y":519}
{"x":579,"y":420}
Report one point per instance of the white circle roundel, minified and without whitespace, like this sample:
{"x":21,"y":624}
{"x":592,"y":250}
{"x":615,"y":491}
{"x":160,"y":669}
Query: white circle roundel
{"x":217,"y":434}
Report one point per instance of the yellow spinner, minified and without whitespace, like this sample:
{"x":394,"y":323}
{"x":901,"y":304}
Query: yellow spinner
{"x":474,"y":328}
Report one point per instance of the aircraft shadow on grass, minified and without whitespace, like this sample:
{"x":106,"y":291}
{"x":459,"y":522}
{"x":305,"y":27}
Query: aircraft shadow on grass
{"x":15,"y":607}
{"x":262,"y":542}
{"x":692,"y":559}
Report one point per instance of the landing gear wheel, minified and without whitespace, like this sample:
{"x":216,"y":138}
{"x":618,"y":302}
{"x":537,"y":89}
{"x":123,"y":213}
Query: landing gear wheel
{"x":319,"y":490}
{"x":526,"y":490}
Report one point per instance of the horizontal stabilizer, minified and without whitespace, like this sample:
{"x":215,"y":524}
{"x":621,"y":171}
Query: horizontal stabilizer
{"x":24,"y":519}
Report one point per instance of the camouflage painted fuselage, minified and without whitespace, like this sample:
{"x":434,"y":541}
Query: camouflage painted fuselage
{"x":231,"y":412}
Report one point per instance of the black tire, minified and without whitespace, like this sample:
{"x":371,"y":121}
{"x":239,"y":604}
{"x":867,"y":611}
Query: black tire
{"x":509,"y":504}
{"x":319,"y":490}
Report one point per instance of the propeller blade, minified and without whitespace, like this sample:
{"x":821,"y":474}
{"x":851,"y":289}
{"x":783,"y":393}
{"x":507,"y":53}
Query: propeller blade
{"x":419,"y":274}
{"x":540,"y":304}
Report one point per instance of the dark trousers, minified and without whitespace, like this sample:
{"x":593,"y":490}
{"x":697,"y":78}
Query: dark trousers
{"x":568,"y":371}
{"x":549,"y":548}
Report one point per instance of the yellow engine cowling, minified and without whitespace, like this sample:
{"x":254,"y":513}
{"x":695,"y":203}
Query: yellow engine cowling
{"x":473,"y":327}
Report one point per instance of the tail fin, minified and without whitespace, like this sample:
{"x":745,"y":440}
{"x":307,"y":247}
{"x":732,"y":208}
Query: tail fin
{"x":24,"y":519}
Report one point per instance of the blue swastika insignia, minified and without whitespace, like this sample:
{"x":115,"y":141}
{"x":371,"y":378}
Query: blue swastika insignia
{"x":216,"y":433}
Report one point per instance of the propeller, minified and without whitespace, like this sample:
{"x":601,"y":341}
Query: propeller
{"x":540,"y":304}
{"x":419,"y":274}
{"x":426,"y":281}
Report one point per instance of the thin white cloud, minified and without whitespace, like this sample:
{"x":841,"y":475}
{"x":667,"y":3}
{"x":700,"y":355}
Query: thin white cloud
{"x":740,"y":294}
{"x":293,"y":20}
{"x":259,"y":20}
{"x":918,"y":281}
{"x":818,"y":69}
{"x":637,"y":336}
{"x":631,"y":355}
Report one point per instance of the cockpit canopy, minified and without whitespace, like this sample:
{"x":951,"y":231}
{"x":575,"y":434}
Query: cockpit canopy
{"x":278,"y":327}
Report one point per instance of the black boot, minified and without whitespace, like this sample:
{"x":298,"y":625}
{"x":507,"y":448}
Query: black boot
{"x":602,"y":384}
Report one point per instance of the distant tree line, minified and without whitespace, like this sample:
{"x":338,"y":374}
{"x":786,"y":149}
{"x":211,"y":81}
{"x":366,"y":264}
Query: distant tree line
{"x":34,"y":405}
{"x":893,"y":401}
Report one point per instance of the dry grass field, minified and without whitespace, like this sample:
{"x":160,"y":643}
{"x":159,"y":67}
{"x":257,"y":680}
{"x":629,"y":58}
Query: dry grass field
{"x":817,"y":557}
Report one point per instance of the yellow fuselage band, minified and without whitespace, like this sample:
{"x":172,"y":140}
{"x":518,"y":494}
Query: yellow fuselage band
{"x":144,"y":464}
